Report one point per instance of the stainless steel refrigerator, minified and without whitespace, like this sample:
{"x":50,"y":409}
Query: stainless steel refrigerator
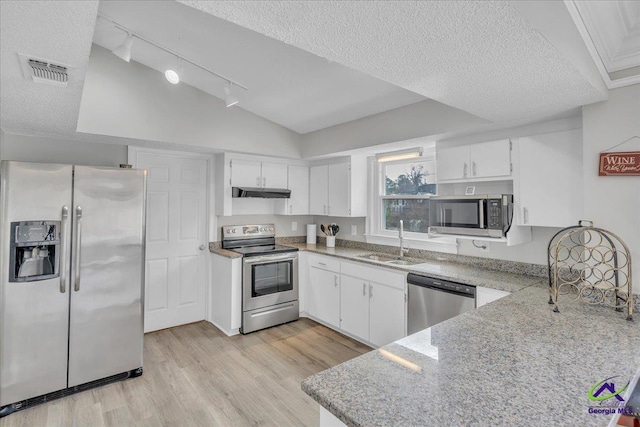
{"x":72,"y":276}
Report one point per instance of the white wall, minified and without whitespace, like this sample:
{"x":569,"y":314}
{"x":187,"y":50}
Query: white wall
{"x":51,"y":150}
{"x":345,"y":225}
{"x":613,"y":203}
{"x":426,"y":118}
{"x":133,"y":101}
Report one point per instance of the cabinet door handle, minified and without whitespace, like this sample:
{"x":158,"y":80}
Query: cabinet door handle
{"x":370,"y":291}
{"x":290,"y":209}
{"x":525,"y":214}
{"x":335,"y":280}
{"x":324,"y":209}
{"x":264,"y":182}
{"x":328,"y":210}
{"x":258,"y":182}
{"x":322,"y":263}
{"x":364,"y":289}
{"x":473,"y":168}
{"x":464,"y":170}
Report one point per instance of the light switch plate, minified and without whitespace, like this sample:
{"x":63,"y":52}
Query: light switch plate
{"x":354,"y":230}
{"x":294,"y":226}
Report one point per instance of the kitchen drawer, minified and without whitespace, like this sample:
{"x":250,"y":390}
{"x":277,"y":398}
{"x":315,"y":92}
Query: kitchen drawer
{"x":385,"y":276}
{"x":325,"y":263}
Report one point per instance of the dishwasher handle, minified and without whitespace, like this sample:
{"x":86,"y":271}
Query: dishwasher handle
{"x":455,"y":288}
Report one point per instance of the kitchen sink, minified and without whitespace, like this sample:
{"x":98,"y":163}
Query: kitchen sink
{"x":387,"y":259}
{"x":377,"y":257}
{"x":401,"y":262}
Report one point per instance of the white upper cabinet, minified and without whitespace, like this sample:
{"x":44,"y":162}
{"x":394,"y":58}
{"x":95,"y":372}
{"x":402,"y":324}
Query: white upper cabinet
{"x":274,"y":175}
{"x":452,"y":163}
{"x":298,"y":183}
{"x":318,"y":190}
{"x":475,"y":162}
{"x":490,"y":159}
{"x":339,"y":189}
{"x":245,"y":173}
{"x":549,"y":190}
{"x":251,"y":173}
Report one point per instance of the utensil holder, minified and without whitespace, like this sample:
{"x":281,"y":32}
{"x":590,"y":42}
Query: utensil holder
{"x":331,"y":241}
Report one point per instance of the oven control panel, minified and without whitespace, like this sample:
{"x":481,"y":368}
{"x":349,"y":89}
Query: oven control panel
{"x":248,"y":231}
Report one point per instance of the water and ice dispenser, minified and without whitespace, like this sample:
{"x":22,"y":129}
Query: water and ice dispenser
{"x":35,"y":251}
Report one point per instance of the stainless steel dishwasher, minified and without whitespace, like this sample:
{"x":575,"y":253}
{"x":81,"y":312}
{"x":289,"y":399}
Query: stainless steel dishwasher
{"x":433,"y":301}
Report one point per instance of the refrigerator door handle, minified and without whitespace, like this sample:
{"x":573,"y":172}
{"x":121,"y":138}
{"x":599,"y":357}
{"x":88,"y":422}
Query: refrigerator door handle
{"x":63,"y":249}
{"x":76,"y":251}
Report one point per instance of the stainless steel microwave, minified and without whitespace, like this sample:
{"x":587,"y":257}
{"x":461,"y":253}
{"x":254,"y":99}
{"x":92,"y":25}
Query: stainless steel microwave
{"x":483,"y":215}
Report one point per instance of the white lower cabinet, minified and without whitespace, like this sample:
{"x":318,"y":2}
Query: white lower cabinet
{"x":225,"y":294}
{"x":372,"y":311}
{"x":386,"y":314}
{"x":487,"y":295}
{"x":323,"y":297}
{"x":366,"y":303}
{"x":354,"y":314}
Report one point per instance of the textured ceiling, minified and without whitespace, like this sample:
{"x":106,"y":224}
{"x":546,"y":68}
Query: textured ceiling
{"x":287,"y":85}
{"x":479,"y":56}
{"x":58,"y":31}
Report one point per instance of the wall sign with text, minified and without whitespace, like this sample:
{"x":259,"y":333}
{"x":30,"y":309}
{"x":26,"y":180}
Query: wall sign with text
{"x":619,"y":163}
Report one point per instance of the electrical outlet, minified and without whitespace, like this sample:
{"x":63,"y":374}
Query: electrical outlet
{"x":354,"y":230}
{"x":294,"y":226}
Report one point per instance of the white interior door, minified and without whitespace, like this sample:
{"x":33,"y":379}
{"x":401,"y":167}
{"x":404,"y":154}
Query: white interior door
{"x":176,"y":239}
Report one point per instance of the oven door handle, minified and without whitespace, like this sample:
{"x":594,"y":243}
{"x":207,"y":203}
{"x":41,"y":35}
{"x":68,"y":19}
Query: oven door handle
{"x":269,"y":258}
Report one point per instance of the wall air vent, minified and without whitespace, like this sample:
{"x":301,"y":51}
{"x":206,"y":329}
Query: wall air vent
{"x":43,"y":71}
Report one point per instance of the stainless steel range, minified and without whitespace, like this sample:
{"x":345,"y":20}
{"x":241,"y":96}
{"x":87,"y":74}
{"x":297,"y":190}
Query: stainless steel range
{"x":269,"y":276}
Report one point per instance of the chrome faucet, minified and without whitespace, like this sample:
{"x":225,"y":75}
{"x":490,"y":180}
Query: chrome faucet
{"x":403,"y":250}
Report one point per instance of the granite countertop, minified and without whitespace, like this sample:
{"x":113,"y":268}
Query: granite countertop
{"x":511,"y":362}
{"x":467,"y":274}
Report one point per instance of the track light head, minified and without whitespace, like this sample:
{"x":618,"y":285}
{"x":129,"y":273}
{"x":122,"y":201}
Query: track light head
{"x":229,"y":99}
{"x":124,"y":50}
{"x":173,"y":76}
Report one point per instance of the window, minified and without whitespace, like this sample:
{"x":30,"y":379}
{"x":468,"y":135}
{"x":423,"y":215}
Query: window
{"x":404,"y":188}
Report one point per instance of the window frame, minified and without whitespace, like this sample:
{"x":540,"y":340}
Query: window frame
{"x":375,"y":233}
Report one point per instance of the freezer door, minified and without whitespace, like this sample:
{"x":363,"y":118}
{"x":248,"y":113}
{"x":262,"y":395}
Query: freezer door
{"x":33,"y":314}
{"x":106,"y":319}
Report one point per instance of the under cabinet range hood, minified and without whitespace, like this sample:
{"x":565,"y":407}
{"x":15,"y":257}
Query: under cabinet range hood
{"x":264,"y":193}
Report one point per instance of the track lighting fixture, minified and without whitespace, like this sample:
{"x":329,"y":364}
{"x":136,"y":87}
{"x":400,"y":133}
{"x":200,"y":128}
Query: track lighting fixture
{"x":229,"y":99}
{"x":124,"y":50}
{"x":172,"y":75}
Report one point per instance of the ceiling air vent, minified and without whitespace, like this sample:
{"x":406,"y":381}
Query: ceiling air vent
{"x":43,"y":71}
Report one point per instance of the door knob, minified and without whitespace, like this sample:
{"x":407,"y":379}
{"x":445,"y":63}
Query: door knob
{"x":202,"y":247}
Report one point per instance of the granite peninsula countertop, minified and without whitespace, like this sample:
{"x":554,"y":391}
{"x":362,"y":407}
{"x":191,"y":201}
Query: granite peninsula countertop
{"x":511,"y":362}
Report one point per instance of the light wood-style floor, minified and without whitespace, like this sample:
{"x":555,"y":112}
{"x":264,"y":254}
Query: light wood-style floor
{"x":194,"y":375}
